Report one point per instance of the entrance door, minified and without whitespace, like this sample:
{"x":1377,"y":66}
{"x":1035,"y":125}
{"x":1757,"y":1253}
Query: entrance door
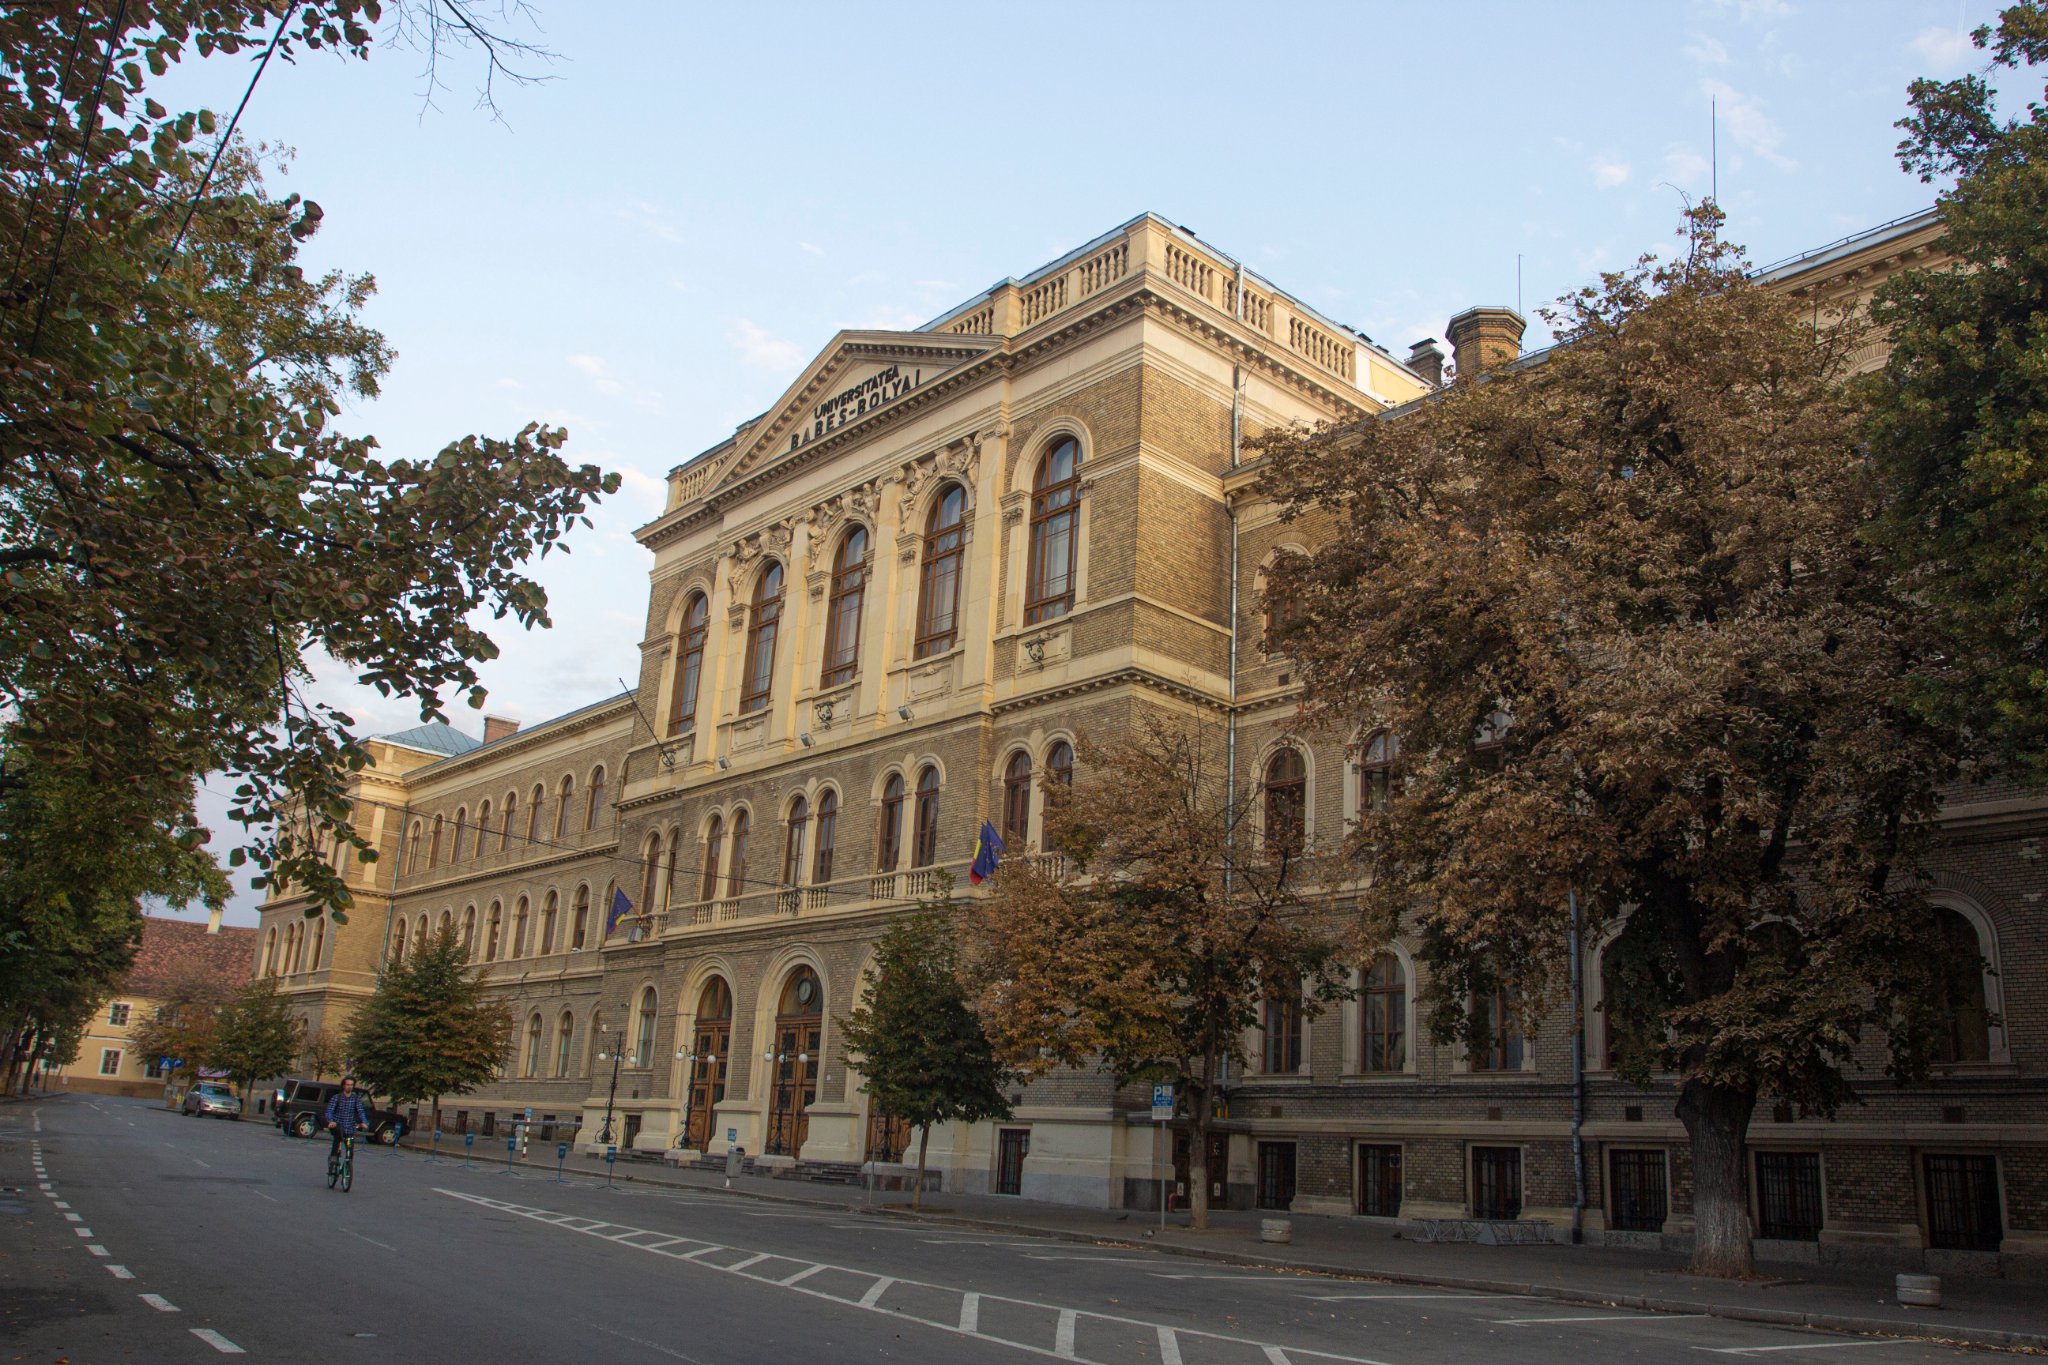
{"x":799,"y":1031}
{"x":710,"y":1057}
{"x":1011,"y":1146}
{"x":1276,"y":1175}
{"x":1219,"y":1170}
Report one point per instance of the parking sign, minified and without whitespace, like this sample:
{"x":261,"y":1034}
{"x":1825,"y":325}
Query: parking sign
{"x":1162,"y":1103}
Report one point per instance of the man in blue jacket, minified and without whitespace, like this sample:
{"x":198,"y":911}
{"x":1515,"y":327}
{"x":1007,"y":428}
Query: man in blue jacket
{"x":346,"y":1112}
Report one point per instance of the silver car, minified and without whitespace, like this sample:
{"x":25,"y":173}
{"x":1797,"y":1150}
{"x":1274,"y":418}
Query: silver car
{"x":211,"y":1097}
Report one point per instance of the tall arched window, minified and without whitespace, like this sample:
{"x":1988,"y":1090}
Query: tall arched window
{"x":434,"y":844}
{"x":533,"y":1045}
{"x":550,"y":916}
{"x":591,"y":816}
{"x":924,"y":850}
{"x":533,"y":816}
{"x":565,"y":1043}
{"x":938,"y":592}
{"x":714,"y":847}
{"x":757,"y":680}
{"x":827,"y":835}
{"x":319,"y":940}
{"x":736,"y":861}
{"x":1499,"y":1033}
{"x":579,"y":923}
{"x":412,"y":849}
{"x":1049,"y":583}
{"x":493,"y":928}
{"x":519,"y":929}
{"x":889,"y":846}
{"x":682,"y":701}
{"x":511,"y":809}
{"x":461,"y":828}
{"x":1376,"y":771}
{"x":1383,"y":1016}
{"x":1286,"y":801}
{"x":1017,"y":802}
{"x":668,"y":882}
{"x":650,"y":872}
{"x":419,"y":935}
{"x":269,"y":952}
{"x":643,"y":1039}
{"x":567,"y":800}
{"x":1059,"y":764}
{"x":1280,"y":1051}
{"x":793,"y":841}
{"x":842,"y":611}
{"x":469,"y":933}
{"x":483,"y":828}
{"x":1967,"y":1036}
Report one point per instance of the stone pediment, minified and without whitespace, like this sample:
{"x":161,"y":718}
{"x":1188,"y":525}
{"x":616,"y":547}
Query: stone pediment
{"x":858,"y":377}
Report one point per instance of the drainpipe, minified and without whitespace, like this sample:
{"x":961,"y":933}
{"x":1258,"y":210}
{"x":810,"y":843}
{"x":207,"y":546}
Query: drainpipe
{"x":1578,"y":1075}
{"x":1230,"y":510}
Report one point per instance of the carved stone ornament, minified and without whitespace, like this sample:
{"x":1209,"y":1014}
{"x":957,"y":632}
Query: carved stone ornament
{"x":821,"y":712}
{"x":1034,"y":649}
{"x":744,"y":552}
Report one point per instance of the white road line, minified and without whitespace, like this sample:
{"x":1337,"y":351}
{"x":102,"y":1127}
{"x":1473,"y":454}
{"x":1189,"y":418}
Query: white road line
{"x":74,"y":1218}
{"x":198,"y":1162}
{"x":83,"y":1232}
{"x":60,"y":1204}
{"x":1808,"y":1346}
{"x":1598,"y":1317}
{"x":1270,"y":1277}
{"x":159,"y":1303}
{"x":120,"y":1272}
{"x":1169,"y":1347}
{"x":1063,"y":1335}
{"x":1113,"y":1260}
{"x":1276,"y":1356}
{"x":98,"y":1250}
{"x":218,"y":1342}
{"x":875,"y":1291}
{"x":371,"y":1240}
{"x":801,"y":1275}
{"x":704,"y":1250}
{"x":970,"y":1312}
{"x":1348,"y":1298}
{"x":755,"y":1259}
{"x":261,"y":1195}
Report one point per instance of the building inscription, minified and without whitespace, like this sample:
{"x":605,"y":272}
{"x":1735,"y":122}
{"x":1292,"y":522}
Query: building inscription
{"x":882,"y":387}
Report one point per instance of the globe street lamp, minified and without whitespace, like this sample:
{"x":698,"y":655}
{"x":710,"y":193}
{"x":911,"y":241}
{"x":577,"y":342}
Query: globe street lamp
{"x":616,"y":1055}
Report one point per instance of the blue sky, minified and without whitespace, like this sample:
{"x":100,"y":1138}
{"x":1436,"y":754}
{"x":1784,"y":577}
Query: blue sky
{"x":648,"y":246}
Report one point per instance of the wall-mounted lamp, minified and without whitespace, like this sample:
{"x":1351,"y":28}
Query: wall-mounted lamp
{"x":804,"y":739}
{"x":903,"y":713}
{"x":723,"y":763}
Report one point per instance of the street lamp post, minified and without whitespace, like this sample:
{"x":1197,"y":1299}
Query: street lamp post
{"x":618,"y":1055}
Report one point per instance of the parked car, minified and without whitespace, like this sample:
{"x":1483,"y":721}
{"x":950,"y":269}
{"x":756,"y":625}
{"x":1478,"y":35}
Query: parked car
{"x":299,"y":1105}
{"x":211,"y":1098}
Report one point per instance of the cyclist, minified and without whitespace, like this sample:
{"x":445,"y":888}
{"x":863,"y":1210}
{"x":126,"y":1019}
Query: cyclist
{"x":346,"y":1112}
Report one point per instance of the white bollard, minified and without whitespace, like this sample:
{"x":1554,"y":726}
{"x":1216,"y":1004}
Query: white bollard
{"x":1919,"y":1291}
{"x":1276,"y":1230}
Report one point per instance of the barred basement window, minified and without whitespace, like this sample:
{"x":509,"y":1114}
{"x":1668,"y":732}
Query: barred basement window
{"x":1962,"y":1203}
{"x":1497,"y":1183}
{"x":1788,"y":1199}
{"x":1638,"y":1200}
{"x":1379,"y":1180}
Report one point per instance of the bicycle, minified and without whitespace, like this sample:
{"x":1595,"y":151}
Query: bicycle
{"x":341,"y":1164}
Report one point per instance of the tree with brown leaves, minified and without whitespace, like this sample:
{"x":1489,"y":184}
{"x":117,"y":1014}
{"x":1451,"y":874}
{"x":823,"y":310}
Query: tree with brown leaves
{"x":1147,"y":942}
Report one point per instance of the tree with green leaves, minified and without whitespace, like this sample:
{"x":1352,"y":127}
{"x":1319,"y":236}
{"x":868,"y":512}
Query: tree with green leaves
{"x":922,"y":1054}
{"x":429,"y":1029}
{"x":324,"y":1054}
{"x":1957,"y":422}
{"x":184,"y":519}
{"x":1621,"y":609}
{"x":1150,"y":944}
{"x":256,"y":1036}
{"x":180,"y":1036}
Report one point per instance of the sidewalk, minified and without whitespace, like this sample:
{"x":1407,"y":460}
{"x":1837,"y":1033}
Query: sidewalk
{"x":1982,"y":1312}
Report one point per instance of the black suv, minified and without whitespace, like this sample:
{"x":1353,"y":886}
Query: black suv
{"x":300,"y":1105}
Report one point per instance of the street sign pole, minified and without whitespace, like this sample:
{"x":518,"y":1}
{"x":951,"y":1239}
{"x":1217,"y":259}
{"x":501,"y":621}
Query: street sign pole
{"x":1162,"y":1114}
{"x":611,"y":1157}
{"x":561,"y":1155}
{"x":511,"y":1147}
{"x":434,"y":1154}
{"x":468,"y":1146}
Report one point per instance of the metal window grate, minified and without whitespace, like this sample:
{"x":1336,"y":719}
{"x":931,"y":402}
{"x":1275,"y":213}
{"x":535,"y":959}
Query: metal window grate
{"x":1639,"y":1200}
{"x":1788,"y":1202}
{"x":1276,"y":1175}
{"x":1497,"y":1183}
{"x":1962,"y":1203}
{"x":1379,"y":1180}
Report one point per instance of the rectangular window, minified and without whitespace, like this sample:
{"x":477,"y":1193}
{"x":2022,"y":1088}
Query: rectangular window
{"x":1788,"y":1204}
{"x":117,"y":1014}
{"x":155,"y":1071}
{"x":1962,"y":1203}
{"x":1282,"y":1052}
{"x":110,"y":1061}
{"x":1638,"y":1201}
{"x":1276,"y":1175}
{"x":1379,"y":1180}
{"x":1500,"y":1046}
{"x":1497,"y":1183}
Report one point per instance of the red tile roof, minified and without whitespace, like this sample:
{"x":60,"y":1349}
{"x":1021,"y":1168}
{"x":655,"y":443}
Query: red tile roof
{"x":173,"y":949}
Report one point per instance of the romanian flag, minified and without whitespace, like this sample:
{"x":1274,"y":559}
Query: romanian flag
{"x":988,"y":848}
{"x":621,"y":907}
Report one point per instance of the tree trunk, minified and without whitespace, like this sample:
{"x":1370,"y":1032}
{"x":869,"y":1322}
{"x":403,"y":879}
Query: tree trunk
{"x":1716,"y":1118}
{"x":1198,"y":1148}
{"x":924,"y":1143}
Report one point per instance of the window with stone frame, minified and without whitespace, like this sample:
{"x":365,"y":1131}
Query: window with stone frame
{"x":1286,"y":799}
{"x":736,"y":860}
{"x":1376,"y":767}
{"x":1499,"y":1033}
{"x":714,"y":848}
{"x":595,"y":812}
{"x":1017,"y":803}
{"x":794,"y":832}
{"x":938,"y":595}
{"x":1966,"y":1014}
{"x":1055,"y":494}
{"x":566,"y":802}
{"x":889,"y":843}
{"x":689,"y":669}
{"x":826,"y":837}
{"x":1280,"y":1030}
{"x":764,"y":625}
{"x":925,"y":845}
{"x":843,"y":608}
{"x":1383,"y":1016}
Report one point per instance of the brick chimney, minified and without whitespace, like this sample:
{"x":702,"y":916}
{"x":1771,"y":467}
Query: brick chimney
{"x":1426,"y":358}
{"x":1482,"y":338}
{"x":497,"y":728}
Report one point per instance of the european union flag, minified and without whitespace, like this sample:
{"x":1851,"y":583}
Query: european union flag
{"x":621,"y":907}
{"x":988,"y":849}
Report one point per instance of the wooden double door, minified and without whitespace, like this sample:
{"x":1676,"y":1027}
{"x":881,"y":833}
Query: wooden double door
{"x":710,"y":1059}
{"x":795,"y":1090}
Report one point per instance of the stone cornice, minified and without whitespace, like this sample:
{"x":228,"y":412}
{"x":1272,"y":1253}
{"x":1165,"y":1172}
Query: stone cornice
{"x":1123,"y":677}
{"x":557,"y":858}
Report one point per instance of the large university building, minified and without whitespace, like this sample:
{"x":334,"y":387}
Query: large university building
{"x":884,"y":609}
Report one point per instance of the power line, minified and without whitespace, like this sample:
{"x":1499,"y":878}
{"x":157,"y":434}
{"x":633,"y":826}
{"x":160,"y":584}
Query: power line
{"x":228,"y":133}
{"x":92,"y":124}
{"x":49,"y":148}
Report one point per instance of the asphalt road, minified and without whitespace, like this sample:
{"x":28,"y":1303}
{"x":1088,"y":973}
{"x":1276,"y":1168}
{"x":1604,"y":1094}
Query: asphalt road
{"x":144,"y":1236}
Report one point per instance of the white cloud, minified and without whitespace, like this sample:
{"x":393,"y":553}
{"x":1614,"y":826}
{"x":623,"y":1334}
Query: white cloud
{"x":650,"y":491}
{"x":605,"y":382}
{"x":649,"y":218}
{"x":1748,"y":10}
{"x":1706,"y":51}
{"x":1608,"y":173}
{"x":887,"y":319}
{"x":509,"y":383}
{"x":1747,"y":124}
{"x":763,"y":350}
{"x":1947,"y":50}
{"x":811,"y":248}
{"x":1685,"y":167}
{"x":589,"y":364}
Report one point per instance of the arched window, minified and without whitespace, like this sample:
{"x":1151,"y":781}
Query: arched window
{"x":842,"y":611}
{"x":579,"y":924}
{"x":1376,"y":771}
{"x":682,"y":701}
{"x":710,"y":1060}
{"x":827,"y":835}
{"x":757,"y":680}
{"x":550,"y":913}
{"x":319,"y":940}
{"x":714,"y":847}
{"x":590,"y":816}
{"x":533,"y":1045}
{"x":1383,"y":1016}
{"x":597,"y":1041}
{"x":493,"y":929}
{"x":1280,"y":1051}
{"x":461,"y":828}
{"x":511,"y":809}
{"x":938,"y":592}
{"x":793,"y":841}
{"x":736,"y":861}
{"x":668,"y":876}
{"x":924,"y":849}
{"x":270,"y":949}
{"x":643,"y":1038}
{"x":1286,"y":801}
{"x":889,"y":847}
{"x":1049,"y":583}
{"x":795,"y":1061}
{"x":1281,"y":609}
{"x":1059,"y":764}
{"x":1017,"y":803}
{"x":650,"y":872}
{"x":434,"y":844}
{"x":412,"y":850}
{"x":533,"y":826}
{"x":565,"y":1043}
{"x":419,"y":936}
{"x":469,"y":933}
{"x":1967,"y":1037}
{"x":446,"y":924}
{"x":1500,"y":1035}
{"x":519,"y":929}
{"x":483,"y":828}
{"x":568,"y":799}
